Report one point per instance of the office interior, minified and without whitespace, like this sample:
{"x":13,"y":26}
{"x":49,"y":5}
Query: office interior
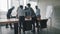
{"x":49,"y":9}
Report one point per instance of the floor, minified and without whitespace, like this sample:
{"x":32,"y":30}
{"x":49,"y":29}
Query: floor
{"x":48,"y":30}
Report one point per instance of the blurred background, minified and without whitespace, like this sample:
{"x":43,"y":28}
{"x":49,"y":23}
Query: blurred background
{"x":50,"y":9}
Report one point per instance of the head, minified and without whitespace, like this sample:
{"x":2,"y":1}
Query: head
{"x":21,"y":6}
{"x":28,"y":4}
{"x":25,"y":7}
{"x":36,"y":7}
{"x":13,"y":7}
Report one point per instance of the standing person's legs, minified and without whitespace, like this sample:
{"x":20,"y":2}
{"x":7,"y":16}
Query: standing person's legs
{"x":6,"y":25}
{"x":8,"y":17}
{"x":37,"y":23}
{"x":33,"y":23}
{"x":34,"y":27}
{"x":15,"y":28}
{"x":21,"y":20}
{"x":38,"y":18}
{"x":19,"y":24}
{"x":10,"y":25}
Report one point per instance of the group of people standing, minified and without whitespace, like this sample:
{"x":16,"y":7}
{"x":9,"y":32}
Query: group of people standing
{"x":28,"y":12}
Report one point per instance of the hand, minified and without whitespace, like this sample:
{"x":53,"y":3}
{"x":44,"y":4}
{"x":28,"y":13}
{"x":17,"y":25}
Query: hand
{"x":38,"y":18}
{"x":28,"y":17}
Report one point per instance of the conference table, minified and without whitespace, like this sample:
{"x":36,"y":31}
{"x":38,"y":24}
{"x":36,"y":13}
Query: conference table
{"x":12,"y":20}
{"x":5,"y":21}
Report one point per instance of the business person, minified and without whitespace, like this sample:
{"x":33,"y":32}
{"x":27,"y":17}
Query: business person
{"x":38,"y":16}
{"x":9,"y":16}
{"x":20,"y":15}
{"x":31,"y":13}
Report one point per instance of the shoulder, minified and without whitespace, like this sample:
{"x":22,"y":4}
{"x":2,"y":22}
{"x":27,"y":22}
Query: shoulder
{"x":31,"y":8}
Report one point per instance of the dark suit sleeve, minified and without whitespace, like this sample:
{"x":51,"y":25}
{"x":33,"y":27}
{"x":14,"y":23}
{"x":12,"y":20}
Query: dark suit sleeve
{"x":32,"y":13}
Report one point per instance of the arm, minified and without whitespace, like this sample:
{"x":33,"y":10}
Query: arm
{"x":32,"y":13}
{"x":17,"y":12}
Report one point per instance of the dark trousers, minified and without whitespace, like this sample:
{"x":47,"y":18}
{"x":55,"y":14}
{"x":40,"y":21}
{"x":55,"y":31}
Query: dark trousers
{"x":33,"y":23}
{"x":9,"y":24}
{"x":21,"y":21}
{"x":38,"y":22}
{"x":8,"y":17}
{"x":34,"y":20}
{"x":15,"y":28}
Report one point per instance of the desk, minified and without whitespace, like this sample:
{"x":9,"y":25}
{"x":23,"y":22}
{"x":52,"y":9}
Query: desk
{"x":5,"y":21}
{"x":15,"y":21}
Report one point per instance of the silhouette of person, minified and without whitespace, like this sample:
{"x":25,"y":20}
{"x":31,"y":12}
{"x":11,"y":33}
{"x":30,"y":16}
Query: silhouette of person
{"x":9,"y":15}
{"x":20,"y":15}
{"x":38,"y":16}
{"x":31,"y":13}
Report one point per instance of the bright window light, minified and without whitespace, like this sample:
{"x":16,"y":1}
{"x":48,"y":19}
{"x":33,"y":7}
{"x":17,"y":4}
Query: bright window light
{"x":49,"y":11}
{"x":3,"y":5}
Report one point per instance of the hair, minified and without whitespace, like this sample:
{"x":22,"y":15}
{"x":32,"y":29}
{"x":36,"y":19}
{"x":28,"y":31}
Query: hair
{"x":29,"y":4}
{"x":36,"y":6}
{"x":25,"y":7}
{"x":21,"y":6}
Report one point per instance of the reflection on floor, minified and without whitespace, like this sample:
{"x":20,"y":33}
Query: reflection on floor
{"x":48,"y":30}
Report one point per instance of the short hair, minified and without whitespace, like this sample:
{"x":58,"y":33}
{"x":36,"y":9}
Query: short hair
{"x":21,"y":6}
{"x":29,"y":4}
{"x":36,"y":6}
{"x":25,"y":7}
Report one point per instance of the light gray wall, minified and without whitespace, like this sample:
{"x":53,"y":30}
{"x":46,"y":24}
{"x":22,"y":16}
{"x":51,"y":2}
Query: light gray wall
{"x":55,"y":16}
{"x":3,"y":14}
{"x":15,"y":3}
{"x":43,"y":5}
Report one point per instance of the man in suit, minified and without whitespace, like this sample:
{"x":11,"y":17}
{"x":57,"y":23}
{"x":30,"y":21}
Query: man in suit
{"x":31,"y":14}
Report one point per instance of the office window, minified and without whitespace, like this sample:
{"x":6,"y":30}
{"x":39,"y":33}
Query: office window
{"x":16,"y":4}
{"x":3,"y":5}
{"x":49,"y":11}
{"x":9,"y":4}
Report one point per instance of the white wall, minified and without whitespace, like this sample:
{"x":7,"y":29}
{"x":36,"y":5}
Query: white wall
{"x":15,"y":3}
{"x":3,"y":5}
{"x":43,"y":5}
{"x":55,"y":16}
